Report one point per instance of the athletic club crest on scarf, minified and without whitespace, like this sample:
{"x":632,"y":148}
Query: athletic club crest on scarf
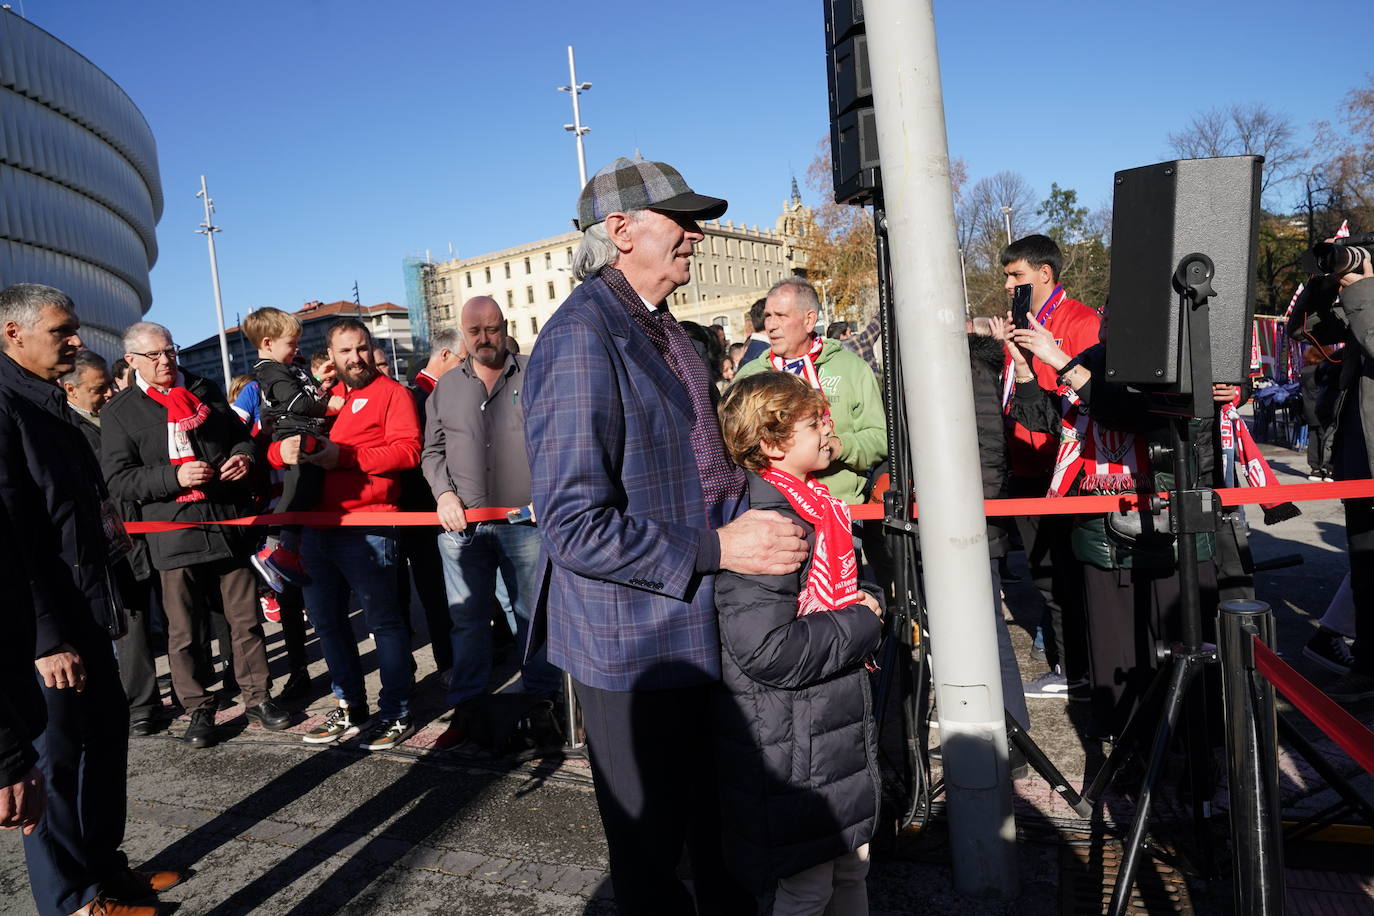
{"x":832,"y":582}
{"x":804,"y":365}
{"x":1110,"y":461}
{"x":185,"y":412}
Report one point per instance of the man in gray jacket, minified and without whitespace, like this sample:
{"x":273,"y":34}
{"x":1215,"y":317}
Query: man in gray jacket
{"x":474,"y":457}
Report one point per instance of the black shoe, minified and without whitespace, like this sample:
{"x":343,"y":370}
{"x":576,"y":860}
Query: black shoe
{"x":201,"y":732}
{"x":269,"y":715}
{"x":297,"y":685}
{"x":141,"y":727}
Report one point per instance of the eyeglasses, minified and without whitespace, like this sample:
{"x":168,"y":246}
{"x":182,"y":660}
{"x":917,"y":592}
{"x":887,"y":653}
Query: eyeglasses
{"x":152,"y":356}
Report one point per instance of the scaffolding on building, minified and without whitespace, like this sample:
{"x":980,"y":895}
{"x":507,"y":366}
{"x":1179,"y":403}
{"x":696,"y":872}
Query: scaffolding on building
{"x":417,"y":304}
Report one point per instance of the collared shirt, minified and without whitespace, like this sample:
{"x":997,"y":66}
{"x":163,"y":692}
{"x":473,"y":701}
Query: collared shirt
{"x":475,"y":439}
{"x":85,"y":414}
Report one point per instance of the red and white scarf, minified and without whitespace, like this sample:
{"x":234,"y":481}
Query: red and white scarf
{"x":833,"y":579}
{"x":804,"y":365}
{"x":1111,"y":461}
{"x":185,"y":412}
{"x":1236,"y":440}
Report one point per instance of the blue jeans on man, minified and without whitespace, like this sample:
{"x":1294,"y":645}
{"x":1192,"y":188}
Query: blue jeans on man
{"x":361,"y":559}
{"x":473,"y":558}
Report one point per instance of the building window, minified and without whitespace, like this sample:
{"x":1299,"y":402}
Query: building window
{"x":552,"y":294}
{"x":510,"y":325}
{"x":534,"y":325}
{"x":701,"y":271}
{"x":510,"y":299}
{"x":527,"y":266}
{"x":713,"y":244}
{"x":468,"y":277}
{"x":507,"y":265}
{"x":548,"y":260}
{"x":569,"y":250}
{"x":730,"y":275}
{"x":756,"y":276}
{"x":487,"y":271}
{"x":572,"y":284}
{"x":715,"y":273}
{"x":722,"y":321}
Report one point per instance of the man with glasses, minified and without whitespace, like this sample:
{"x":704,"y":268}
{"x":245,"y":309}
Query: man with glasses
{"x":173,"y":445}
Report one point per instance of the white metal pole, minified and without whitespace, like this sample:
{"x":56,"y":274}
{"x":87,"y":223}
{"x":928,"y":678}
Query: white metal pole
{"x":937,"y":384}
{"x":208,"y":229}
{"x":1006,"y":219}
{"x":574,"y":88}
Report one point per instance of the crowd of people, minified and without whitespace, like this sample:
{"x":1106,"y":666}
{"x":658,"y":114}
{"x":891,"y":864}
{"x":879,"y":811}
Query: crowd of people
{"x":639,"y":505}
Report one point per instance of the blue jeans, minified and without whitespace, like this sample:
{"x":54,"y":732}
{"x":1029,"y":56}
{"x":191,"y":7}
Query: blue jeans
{"x":472,"y":559}
{"x":338,"y":559}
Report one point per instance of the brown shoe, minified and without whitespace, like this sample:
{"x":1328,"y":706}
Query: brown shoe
{"x":138,"y":885}
{"x":104,"y":906}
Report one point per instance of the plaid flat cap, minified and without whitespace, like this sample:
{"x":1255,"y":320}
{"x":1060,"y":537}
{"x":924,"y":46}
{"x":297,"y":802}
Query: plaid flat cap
{"x":638,"y":184}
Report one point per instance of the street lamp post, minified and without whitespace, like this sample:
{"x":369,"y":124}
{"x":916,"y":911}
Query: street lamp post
{"x":208,"y":229}
{"x":1006,"y":218}
{"x":574,"y":88}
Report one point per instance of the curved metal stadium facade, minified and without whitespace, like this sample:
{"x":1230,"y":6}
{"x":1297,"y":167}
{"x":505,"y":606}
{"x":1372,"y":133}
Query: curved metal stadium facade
{"x":79,"y":188}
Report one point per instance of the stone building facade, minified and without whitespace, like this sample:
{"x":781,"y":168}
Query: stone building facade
{"x":734,"y":265}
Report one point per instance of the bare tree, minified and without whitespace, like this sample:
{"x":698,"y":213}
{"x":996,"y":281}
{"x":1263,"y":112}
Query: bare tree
{"x":1243,"y":130}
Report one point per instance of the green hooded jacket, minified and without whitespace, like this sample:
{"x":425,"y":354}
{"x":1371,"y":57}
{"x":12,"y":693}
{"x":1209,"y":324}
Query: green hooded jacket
{"x":856,"y":406}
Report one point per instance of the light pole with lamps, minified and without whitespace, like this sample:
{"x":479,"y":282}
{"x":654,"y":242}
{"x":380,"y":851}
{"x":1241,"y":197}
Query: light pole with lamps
{"x":208,"y":229}
{"x":574,"y":88}
{"x":1006,"y":218}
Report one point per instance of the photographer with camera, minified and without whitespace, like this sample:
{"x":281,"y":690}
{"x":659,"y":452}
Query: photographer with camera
{"x":1338,"y":304}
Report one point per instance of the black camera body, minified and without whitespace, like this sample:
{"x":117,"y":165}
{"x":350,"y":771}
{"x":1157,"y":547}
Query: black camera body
{"x":1317,"y":317}
{"x":1343,"y":256}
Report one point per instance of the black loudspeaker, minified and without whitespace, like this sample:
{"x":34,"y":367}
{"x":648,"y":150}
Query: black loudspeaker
{"x":1160,"y":214}
{"x":853,"y":132}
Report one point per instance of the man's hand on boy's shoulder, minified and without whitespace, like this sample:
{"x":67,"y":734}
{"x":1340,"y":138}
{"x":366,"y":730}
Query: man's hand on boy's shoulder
{"x":762,"y":542}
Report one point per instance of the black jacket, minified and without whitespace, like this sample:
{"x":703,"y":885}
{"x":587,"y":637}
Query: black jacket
{"x":986,"y":358}
{"x":23,"y":713}
{"x":1354,"y":410}
{"x":796,"y":741}
{"x":138,"y":469}
{"x":139,"y":563}
{"x":51,"y":489}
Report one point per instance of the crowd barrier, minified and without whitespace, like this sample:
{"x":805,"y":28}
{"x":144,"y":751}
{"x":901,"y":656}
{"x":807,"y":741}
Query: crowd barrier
{"x":993,"y":508}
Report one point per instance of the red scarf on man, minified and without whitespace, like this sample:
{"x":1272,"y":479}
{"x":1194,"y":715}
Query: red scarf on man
{"x":1111,"y":461}
{"x":833,"y":579}
{"x":1236,"y":441}
{"x":804,"y":365}
{"x":185,"y":412}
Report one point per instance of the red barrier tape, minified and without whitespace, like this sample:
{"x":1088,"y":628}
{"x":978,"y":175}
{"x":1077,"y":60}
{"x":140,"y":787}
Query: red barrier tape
{"x":1349,"y":733}
{"x":992,"y":508}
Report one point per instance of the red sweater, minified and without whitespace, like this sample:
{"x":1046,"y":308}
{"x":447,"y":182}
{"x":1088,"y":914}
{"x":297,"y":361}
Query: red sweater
{"x":378,"y":435}
{"x":1074,"y":326}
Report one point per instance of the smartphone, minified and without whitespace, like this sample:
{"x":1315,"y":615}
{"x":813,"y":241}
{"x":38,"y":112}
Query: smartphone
{"x":1020,"y":306}
{"x":523,"y":514}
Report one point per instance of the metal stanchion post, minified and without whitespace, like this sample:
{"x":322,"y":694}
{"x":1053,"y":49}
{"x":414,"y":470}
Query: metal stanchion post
{"x":1252,"y":759}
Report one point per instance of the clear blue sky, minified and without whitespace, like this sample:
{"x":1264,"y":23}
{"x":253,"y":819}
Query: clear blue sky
{"x":339,"y":136}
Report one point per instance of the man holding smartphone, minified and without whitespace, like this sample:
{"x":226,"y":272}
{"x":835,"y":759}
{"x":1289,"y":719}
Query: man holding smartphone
{"x":1035,"y":261}
{"x":474,"y":457}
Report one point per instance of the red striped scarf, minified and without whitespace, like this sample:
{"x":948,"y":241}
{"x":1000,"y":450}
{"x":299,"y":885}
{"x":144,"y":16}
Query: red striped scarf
{"x":833,"y":579}
{"x":185,"y":412}
{"x":1111,"y":461}
{"x":804,"y":365}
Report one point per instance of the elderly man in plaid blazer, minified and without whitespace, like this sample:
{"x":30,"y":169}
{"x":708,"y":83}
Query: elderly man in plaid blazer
{"x":639,"y":507}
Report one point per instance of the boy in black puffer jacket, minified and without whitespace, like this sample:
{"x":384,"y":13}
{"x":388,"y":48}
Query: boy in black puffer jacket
{"x":797,"y":753}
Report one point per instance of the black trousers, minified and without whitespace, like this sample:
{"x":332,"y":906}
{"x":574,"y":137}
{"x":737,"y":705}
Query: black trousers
{"x":1054,"y":570}
{"x":1128,"y":612}
{"x":654,"y":770}
{"x":83,"y":755}
{"x":1359,"y":532}
{"x":137,"y":671}
{"x":419,"y":547}
{"x":292,"y":605}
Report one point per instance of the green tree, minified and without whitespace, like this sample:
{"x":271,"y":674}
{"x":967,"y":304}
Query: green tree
{"x":1082,"y":237}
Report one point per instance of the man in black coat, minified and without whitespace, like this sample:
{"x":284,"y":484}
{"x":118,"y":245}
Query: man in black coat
{"x":51,"y":491}
{"x":172,"y":445}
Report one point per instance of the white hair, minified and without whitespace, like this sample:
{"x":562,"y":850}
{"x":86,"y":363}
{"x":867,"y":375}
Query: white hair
{"x":596,"y":250}
{"x":140,"y":329}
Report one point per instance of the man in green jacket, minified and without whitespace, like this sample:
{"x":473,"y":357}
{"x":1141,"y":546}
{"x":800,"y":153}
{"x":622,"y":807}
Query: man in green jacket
{"x":856,"y":404}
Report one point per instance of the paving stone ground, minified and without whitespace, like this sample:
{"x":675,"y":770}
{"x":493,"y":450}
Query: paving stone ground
{"x":272,"y":826}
